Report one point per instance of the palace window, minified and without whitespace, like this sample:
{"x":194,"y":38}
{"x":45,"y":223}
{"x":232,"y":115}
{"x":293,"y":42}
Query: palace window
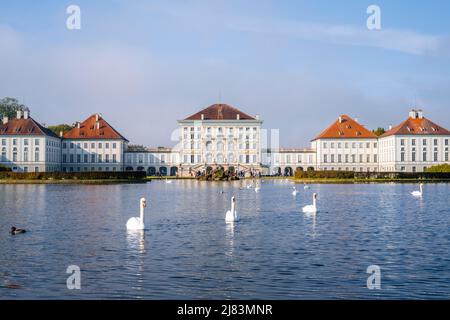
{"x":325,"y":158}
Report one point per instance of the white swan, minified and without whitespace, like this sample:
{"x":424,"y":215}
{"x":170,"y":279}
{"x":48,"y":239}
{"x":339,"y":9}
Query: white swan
{"x":418,"y":193}
{"x":137,"y":223}
{"x":249,"y":186}
{"x":257,"y":188}
{"x":311,"y":208}
{"x":305,"y":187}
{"x":168,"y":181}
{"x":294,"y":193}
{"x":231,"y":215}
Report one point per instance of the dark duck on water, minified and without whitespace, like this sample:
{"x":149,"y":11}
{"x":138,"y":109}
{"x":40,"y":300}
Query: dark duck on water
{"x":15,"y":231}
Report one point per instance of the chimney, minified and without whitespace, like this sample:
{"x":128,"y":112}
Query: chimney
{"x":202,"y":116}
{"x":390,"y":127}
{"x":340,"y":119}
{"x":420,"y":114}
{"x":5,"y":120}
{"x":237,"y":116}
{"x":78,"y":125}
{"x":413,"y":114}
{"x":96,"y":117}
{"x":356,"y":120}
{"x":19,"y":114}
{"x":97,"y":125}
{"x":26,"y":114}
{"x":257,"y":117}
{"x":61,"y":134}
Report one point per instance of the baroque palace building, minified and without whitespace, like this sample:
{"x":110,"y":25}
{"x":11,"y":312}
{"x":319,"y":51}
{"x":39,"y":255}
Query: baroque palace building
{"x":223,"y":136}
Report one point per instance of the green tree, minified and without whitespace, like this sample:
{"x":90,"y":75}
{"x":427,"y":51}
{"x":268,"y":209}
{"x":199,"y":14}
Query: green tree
{"x":439,"y":168}
{"x":379,"y":131}
{"x":10,"y":106}
{"x":61,"y":127}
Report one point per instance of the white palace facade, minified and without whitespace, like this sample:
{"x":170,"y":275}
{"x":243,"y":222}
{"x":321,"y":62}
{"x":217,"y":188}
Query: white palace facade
{"x":223,"y":136}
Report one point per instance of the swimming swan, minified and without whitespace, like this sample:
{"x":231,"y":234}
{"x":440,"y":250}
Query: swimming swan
{"x":311,"y":208}
{"x":231,"y":215}
{"x":294,"y":193}
{"x":418,"y":193}
{"x":137,"y":223}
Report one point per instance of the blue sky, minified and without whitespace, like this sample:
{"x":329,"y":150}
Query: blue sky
{"x":299,"y":64}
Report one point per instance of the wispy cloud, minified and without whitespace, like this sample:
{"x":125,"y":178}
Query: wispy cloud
{"x":392,"y":39}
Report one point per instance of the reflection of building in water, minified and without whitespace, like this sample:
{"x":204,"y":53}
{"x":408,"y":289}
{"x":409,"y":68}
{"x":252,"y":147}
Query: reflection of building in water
{"x":221,"y":135}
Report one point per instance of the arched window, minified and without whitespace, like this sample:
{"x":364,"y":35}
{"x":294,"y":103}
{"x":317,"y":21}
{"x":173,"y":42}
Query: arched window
{"x":14,"y":154}
{"x":230,"y":146}
{"x":209,"y":158}
{"x":230,"y":158}
{"x":25,"y":154}
{"x":209,"y":146}
{"x":219,"y":158}
{"x":219,"y":146}
{"x":36,"y":154}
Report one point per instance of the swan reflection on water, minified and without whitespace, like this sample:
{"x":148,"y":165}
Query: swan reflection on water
{"x":136,"y":240}
{"x":312,"y":217}
{"x":229,"y":237}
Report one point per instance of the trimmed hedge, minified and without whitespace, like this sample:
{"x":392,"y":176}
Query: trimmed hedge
{"x":3,"y":168}
{"x":372,"y":175}
{"x":88,"y":175}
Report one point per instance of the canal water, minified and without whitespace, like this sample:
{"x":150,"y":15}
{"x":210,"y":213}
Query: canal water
{"x":189,"y":252}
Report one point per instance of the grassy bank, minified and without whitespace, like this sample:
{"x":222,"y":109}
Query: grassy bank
{"x":97,"y":181}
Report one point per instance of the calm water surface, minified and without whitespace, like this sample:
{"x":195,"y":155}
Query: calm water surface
{"x":189,"y":252}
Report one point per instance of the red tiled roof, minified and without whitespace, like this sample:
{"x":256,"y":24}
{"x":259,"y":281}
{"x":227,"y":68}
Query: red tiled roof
{"x":25,"y":127}
{"x":220,"y":112}
{"x":345,"y":128}
{"x":88,"y":129}
{"x":417,"y":126}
